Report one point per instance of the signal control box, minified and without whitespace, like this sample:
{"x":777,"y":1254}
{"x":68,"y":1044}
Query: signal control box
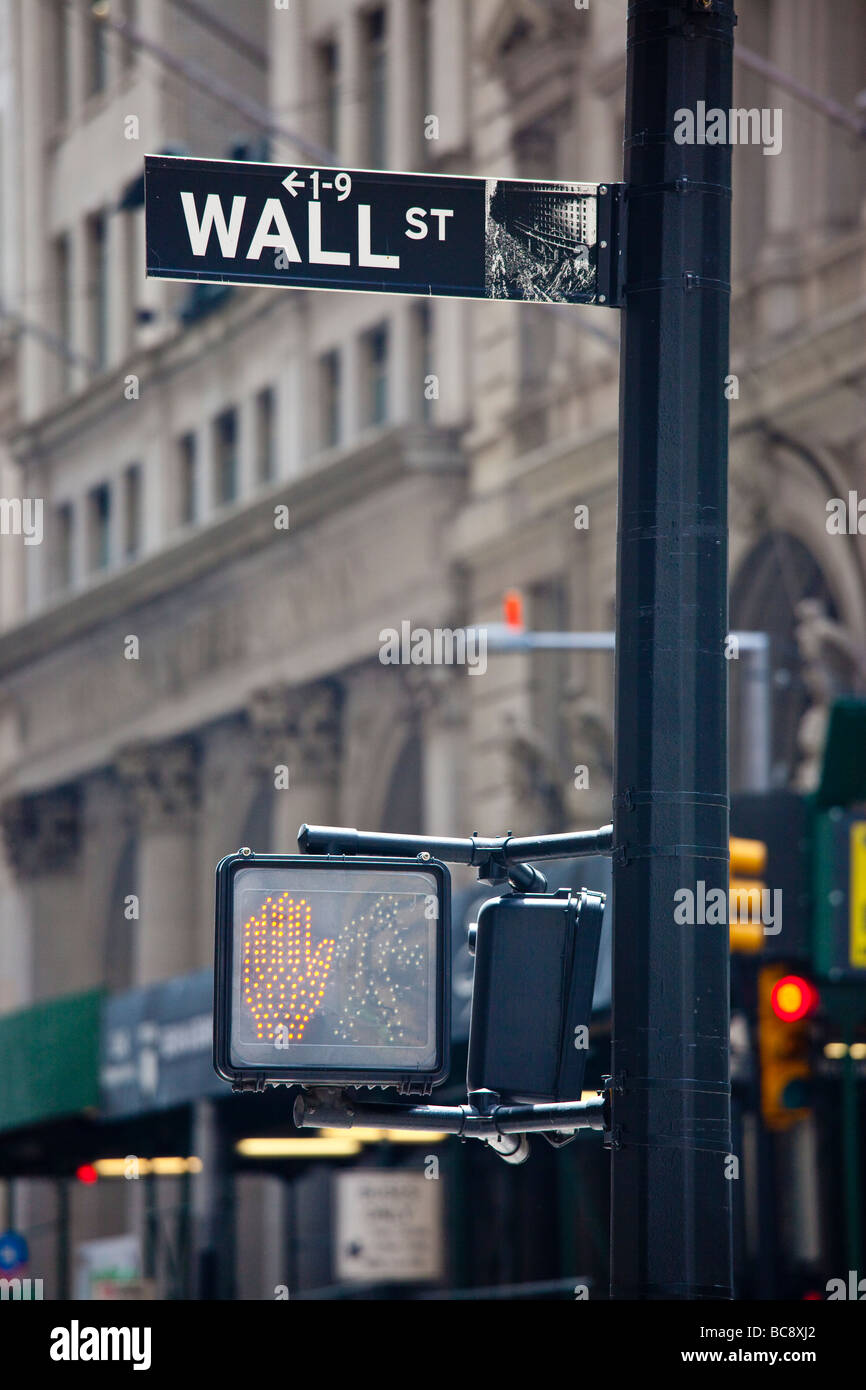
{"x":535,"y":963}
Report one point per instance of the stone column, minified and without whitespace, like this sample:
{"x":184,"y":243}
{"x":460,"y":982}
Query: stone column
{"x":162,"y":781}
{"x":790,"y":193}
{"x":350,"y":120}
{"x":436,"y":698}
{"x":43,"y":840}
{"x":451,"y":364}
{"x":296,"y":729}
{"x":80,"y":307}
{"x":354,"y":405}
{"x":450,"y":84}
{"x":118,"y":232}
{"x":404,"y":137}
{"x":290,"y":414}
{"x":247,"y":426}
{"x":16,"y":955}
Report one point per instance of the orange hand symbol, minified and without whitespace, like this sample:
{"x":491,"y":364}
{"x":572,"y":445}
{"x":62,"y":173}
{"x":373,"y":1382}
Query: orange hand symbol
{"x":283,"y":977}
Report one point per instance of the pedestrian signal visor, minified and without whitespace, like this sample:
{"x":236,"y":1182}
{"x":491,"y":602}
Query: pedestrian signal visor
{"x":331,"y":970}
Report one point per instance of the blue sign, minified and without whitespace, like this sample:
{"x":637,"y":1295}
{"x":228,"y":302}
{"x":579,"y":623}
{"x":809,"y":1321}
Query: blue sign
{"x":14,"y":1253}
{"x":156,"y":1046}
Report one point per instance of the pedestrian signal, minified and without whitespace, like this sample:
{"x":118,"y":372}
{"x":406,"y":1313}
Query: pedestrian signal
{"x":331,"y":969}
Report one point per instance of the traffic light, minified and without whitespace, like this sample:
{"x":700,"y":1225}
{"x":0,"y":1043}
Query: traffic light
{"x":512,"y":610}
{"x":331,"y":969}
{"x":745,"y":921}
{"x":785,"y":1003}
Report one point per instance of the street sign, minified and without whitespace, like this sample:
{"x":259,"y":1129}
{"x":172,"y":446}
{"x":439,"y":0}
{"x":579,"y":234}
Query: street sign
{"x":388,"y":1227}
{"x":239,"y":222}
{"x":14,"y":1253}
{"x":332,"y":969}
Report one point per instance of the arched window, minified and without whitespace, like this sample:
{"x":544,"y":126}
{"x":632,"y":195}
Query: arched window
{"x":772,"y":581}
{"x":402,"y":810}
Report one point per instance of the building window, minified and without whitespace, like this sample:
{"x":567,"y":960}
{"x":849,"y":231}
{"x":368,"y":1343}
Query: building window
{"x":131,"y":511}
{"x":265,"y":435}
{"x":95,"y":54}
{"x":226,"y":457}
{"x":329,"y":86}
{"x":58,"y":60}
{"x":97,"y":288}
{"x":63,"y":307}
{"x":376,"y":365}
{"x":423,"y":323}
{"x":63,"y":534}
{"x":376,"y":89}
{"x":187,"y":476}
{"x":130,"y":15}
{"x":329,"y":395}
{"x":99,"y":528}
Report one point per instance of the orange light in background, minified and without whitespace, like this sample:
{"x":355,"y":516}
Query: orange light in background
{"x":793,"y":998}
{"x":512,"y":608}
{"x":746,"y":886}
{"x":341,"y":1145}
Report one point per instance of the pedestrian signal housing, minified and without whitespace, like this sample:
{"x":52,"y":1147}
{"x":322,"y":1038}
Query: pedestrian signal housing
{"x":332,"y":970}
{"x":535,"y":964}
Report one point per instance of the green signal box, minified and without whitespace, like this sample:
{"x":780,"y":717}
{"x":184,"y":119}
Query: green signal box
{"x":839,"y":848}
{"x":840,"y":894}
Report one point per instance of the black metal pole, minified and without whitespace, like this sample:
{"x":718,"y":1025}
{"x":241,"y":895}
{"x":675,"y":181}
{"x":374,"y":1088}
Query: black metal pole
{"x":671,"y":1198}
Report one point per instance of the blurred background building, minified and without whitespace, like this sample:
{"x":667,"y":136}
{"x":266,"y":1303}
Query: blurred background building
{"x":170,"y":647}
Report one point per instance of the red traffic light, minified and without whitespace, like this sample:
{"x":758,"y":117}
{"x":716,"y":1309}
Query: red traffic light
{"x":793,"y":998}
{"x":512,"y":608}
{"x":87,"y":1174}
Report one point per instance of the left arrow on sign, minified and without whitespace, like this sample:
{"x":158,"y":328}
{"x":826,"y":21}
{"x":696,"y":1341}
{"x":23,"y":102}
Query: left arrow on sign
{"x":293,"y":183}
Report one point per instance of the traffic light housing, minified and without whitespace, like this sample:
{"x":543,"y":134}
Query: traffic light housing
{"x":785,"y":1002}
{"x":332,"y":970}
{"x":774,"y":831}
{"x":748,"y":865}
